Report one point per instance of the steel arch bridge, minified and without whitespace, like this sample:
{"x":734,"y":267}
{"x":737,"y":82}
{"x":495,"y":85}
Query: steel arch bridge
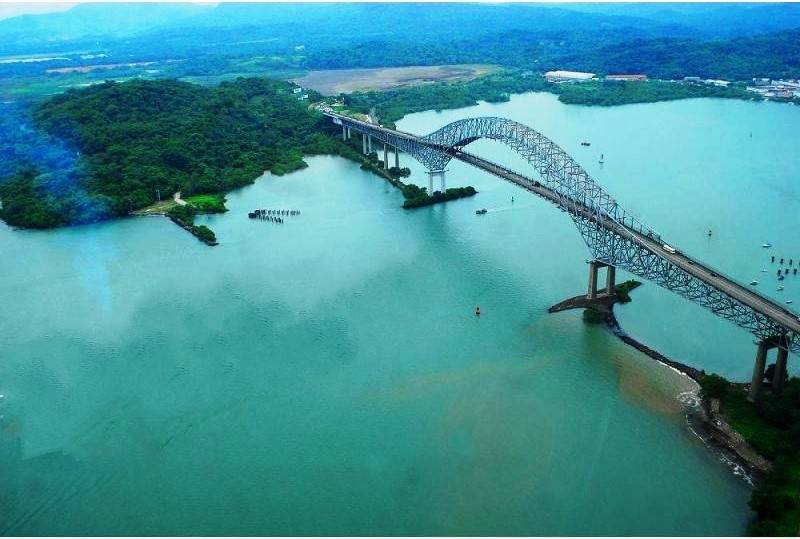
{"x":614,"y":236}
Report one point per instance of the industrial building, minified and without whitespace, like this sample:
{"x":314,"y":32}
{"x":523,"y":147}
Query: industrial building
{"x":633,"y":77}
{"x":567,"y":76}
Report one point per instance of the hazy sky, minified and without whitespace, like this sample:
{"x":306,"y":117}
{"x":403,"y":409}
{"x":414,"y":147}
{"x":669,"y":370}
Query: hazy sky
{"x":21,"y":8}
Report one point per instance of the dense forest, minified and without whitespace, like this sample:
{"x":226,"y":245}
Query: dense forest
{"x":772,"y":426}
{"x":128,"y":143}
{"x":391,"y":105}
{"x":744,"y":42}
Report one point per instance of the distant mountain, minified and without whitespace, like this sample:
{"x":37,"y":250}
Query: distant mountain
{"x":662,"y":40}
{"x":86,"y":21}
{"x":706,"y":19}
{"x":350,"y":22}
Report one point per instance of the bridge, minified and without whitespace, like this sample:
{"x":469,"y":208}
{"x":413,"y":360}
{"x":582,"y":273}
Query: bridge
{"x":615,"y":238}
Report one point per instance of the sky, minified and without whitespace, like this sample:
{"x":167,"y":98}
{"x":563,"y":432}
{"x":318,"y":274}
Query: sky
{"x":12,"y":9}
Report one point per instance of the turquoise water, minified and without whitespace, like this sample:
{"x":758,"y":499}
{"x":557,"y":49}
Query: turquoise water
{"x":683,"y":167}
{"x":327,"y":375}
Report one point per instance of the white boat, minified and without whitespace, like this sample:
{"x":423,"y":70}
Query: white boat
{"x":780,"y":289}
{"x":788,"y":301}
{"x":766,"y":245}
{"x":763,"y":271}
{"x":754,"y":283}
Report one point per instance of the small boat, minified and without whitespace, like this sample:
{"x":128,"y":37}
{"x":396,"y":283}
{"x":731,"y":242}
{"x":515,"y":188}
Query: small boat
{"x":763,"y":271}
{"x":480,"y":211}
{"x":754,"y":283}
{"x":584,"y":143}
{"x":780,"y":289}
{"x":788,"y":301}
{"x":781,"y":277}
{"x":766,"y":245}
{"x":601,"y":159}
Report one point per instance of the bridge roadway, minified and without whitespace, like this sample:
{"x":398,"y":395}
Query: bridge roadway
{"x":713,"y":278}
{"x":755,"y":301}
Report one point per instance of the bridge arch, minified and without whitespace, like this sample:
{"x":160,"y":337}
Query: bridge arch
{"x":557,"y":170}
{"x":614,"y":236}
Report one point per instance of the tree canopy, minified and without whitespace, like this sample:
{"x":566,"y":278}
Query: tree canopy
{"x":137,"y":139}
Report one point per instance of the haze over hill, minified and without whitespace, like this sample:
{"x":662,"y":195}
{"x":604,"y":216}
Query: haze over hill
{"x":664,"y":41}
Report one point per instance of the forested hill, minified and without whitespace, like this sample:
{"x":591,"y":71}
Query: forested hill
{"x":136,"y":138}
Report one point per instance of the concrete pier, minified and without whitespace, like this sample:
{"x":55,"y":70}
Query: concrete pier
{"x":611,"y":285}
{"x":369,"y":143}
{"x":385,"y":156}
{"x":396,"y":158}
{"x":758,"y":369}
{"x":611,"y":275}
{"x":431,"y":174}
{"x":364,"y":143}
{"x":779,"y":377}
{"x":593,"y":266}
{"x":344,"y":133}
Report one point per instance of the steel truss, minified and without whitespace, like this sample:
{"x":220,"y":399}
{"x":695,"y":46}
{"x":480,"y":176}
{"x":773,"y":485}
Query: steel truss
{"x":602,"y":222}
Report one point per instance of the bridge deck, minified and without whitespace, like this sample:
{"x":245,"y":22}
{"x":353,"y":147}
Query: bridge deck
{"x":713,"y":278}
{"x":748,"y":297}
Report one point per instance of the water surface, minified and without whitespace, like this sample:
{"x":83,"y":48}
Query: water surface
{"x":328,"y":376}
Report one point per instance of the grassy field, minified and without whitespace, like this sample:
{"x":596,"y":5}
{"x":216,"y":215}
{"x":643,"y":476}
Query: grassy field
{"x":337,"y":81}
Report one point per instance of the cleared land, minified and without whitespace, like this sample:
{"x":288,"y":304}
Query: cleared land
{"x":337,"y":81}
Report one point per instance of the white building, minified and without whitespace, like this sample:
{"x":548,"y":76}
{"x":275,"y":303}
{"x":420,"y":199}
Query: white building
{"x":567,"y":76}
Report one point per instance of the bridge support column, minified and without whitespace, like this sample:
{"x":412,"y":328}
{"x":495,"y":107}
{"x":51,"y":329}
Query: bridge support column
{"x":593,"y":266}
{"x":396,"y":158}
{"x":758,"y":369}
{"x":779,"y":376}
{"x":385,"y":156}
{"x":369,"y":143}
{"x":431,"y":174}
{"x":349,"y":134}
{"x":364,"y":142}
{"x":344,"y":133}
{"x":443,"y":187}
{"x":611,"y":273}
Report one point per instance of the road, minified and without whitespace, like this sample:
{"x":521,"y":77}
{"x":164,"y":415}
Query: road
{"x":760,"y":304}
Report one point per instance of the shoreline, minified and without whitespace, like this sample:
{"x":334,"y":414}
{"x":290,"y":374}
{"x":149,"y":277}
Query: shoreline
{"x":705,"y":419}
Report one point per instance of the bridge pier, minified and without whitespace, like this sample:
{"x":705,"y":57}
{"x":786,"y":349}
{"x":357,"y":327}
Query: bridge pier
{"x":396,"y":158}
{"x":364,"y":143}
{"x":349,"y":134}
{"x":385,"y":156}
{"x":611,"y":272}
{"x":779,"y":377}
{"x":779,"y":374}
{"x":431,"y":174}
{"x":592,"y":280}
{"x":758,"y":369}
{"x":369,"y":143}
{"x":611,"y":285}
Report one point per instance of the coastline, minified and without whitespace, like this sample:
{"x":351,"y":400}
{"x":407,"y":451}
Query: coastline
{"x":705,"y":419}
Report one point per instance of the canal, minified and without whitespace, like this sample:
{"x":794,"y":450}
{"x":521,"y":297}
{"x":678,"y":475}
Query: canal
{"x":328,"y":375}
